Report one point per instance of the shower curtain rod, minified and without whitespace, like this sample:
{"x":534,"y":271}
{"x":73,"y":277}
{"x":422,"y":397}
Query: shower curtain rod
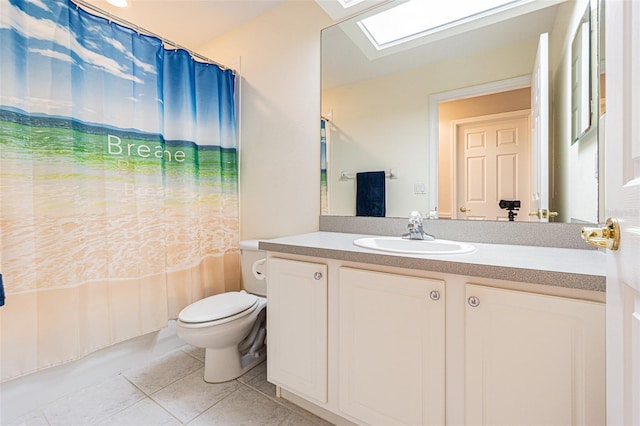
{"x":140,"y":30}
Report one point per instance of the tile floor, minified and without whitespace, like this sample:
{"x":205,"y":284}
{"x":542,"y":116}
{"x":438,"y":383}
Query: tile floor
{"x":171,"y":391}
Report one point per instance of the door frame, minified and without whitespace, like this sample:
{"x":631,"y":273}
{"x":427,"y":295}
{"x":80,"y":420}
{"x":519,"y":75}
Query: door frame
{"x":454,"y":95}
{"x":455,"y":124}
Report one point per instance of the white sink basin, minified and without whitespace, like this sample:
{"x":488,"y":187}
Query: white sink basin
{"x":403,"y":245}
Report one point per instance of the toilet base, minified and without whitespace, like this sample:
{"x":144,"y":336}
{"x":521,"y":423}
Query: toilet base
{"x":223,"y":365}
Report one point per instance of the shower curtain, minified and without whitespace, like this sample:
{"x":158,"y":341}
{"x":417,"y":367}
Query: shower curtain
{"x":118,"y":183}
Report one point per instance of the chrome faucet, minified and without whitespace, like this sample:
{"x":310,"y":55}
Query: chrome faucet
{"x":416,"y":232}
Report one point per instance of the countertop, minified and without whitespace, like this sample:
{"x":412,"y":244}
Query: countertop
{"x":560,"y":267}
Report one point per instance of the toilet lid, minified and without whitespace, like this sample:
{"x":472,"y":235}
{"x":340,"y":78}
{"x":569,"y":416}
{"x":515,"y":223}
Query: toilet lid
{"x":217,"y":307}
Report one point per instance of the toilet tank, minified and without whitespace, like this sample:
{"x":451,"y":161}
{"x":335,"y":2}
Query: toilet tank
{"x":249,"y":254}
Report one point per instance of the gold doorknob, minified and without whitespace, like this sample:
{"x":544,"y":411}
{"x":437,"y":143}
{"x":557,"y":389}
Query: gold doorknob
{"x":607,"y":237}
{"x":464,"y":209}
{"x":543,"y":214}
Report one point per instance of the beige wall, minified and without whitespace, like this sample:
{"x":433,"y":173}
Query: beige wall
{"x":278,"y":55}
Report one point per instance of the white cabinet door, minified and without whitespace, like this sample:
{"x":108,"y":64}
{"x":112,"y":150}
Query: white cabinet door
{"x":391,"y":348}
{"x":532,"y":359}
{"x":297,"y":327}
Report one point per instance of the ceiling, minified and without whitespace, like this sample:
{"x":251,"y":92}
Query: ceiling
{"x":189,"y":23}
{"x":192,"y":23}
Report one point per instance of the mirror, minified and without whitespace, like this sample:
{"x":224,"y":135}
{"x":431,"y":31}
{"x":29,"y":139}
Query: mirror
{"x":410,"y":110}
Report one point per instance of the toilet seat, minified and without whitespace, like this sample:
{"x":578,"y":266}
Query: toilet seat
{"x":219,"y":308}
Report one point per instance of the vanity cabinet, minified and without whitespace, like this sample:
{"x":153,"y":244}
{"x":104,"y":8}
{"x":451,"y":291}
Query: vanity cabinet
{"x":367,"y":344}
{"x":533,"y":359}
{"x":391,"y":348}
{"x":297,"y":327}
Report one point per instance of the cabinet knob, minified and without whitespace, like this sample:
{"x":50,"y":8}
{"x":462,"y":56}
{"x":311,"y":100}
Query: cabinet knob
{"x":434,"y":295}
{"x":317,"y":275}
{"x":473,"y":301}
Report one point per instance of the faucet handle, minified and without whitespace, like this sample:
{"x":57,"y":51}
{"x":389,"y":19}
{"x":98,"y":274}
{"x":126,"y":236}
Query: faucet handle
{"x":415,"y":217}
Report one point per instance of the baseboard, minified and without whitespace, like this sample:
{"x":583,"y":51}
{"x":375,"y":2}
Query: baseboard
{"x":312,"y":408}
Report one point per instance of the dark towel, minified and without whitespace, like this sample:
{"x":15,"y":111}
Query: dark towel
{"x":370,"y":194}
{"x":1,"y":291}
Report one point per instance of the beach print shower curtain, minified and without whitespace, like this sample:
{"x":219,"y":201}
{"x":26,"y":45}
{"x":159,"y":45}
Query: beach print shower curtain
{"x":118,"y":183}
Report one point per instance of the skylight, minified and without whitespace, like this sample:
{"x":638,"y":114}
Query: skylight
{"x":417,"y":18}
{"x":348,"y":3}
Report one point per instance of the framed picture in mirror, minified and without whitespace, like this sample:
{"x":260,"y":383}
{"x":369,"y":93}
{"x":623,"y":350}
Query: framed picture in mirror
{"x":581,"y":79}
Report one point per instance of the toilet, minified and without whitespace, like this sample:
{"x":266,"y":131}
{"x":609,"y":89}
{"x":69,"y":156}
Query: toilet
{"x":231,"y":326}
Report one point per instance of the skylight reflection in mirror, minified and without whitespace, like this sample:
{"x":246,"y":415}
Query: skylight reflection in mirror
{"x":348,"y":3}
{"x":416,"y":18}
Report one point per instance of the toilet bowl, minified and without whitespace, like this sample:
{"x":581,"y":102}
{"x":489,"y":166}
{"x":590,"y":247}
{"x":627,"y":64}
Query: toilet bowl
{"x":230,"y":326}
